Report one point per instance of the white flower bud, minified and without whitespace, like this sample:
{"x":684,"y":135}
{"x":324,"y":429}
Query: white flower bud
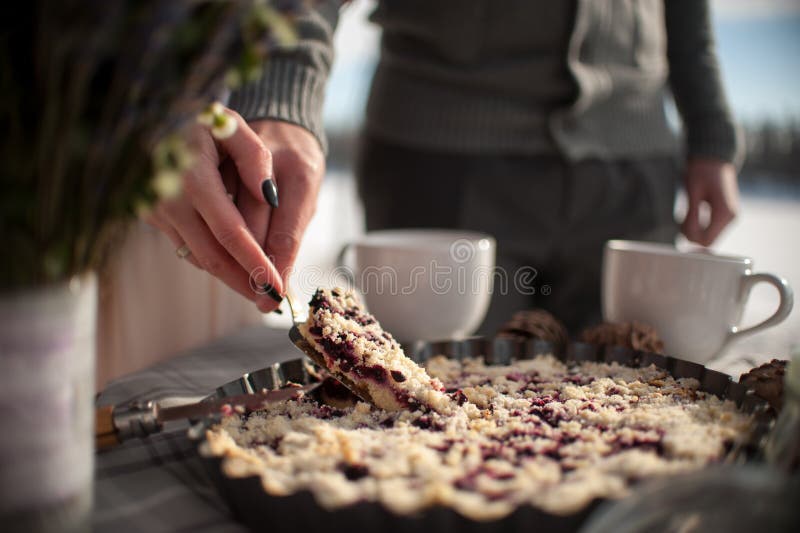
{"x":167,"y":184}
{"x":224,"y":126}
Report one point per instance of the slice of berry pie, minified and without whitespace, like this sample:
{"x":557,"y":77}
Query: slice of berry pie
{"x":355,"y":349}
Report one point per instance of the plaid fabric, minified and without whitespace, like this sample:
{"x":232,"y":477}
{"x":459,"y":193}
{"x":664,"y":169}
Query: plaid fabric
{"x":159,"y":483}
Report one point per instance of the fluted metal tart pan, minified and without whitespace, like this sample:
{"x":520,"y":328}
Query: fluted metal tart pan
{"x":261,"y":511}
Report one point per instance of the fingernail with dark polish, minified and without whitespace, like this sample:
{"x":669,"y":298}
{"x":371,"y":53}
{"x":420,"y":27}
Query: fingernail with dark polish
{"x":270,"y":291}
{"x":278,"y":311}
{"x":270,"y":192}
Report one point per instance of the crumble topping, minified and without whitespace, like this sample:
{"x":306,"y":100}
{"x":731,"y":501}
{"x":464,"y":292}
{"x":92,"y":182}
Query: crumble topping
{"x":537,"y":432}
{"x":354,"y":345}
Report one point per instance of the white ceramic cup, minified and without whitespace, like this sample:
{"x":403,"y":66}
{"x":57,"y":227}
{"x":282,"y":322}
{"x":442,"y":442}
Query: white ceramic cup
{"x":424,"y":284}
{"x":695,"y":300}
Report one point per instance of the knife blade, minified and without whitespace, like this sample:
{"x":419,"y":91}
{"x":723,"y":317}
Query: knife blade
{"x":114,"y":424}
{"x":241,"y":402}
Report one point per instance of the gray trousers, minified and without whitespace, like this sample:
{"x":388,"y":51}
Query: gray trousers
{"x":545,"y":212}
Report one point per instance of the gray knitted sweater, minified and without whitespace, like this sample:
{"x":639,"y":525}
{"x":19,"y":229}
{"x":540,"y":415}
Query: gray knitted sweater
{"x":453,"y":73}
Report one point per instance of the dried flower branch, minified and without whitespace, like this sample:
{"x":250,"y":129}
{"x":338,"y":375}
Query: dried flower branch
{"x":93,"y":99}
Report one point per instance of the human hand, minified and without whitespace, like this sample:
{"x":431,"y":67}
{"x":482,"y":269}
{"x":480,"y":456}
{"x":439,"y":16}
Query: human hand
{"x":205,"y":219}
{"x":712,"y":182}
{"x":299,"y":166}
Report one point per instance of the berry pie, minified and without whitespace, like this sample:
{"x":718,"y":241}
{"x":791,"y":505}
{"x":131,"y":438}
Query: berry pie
{"x":481,"y":439}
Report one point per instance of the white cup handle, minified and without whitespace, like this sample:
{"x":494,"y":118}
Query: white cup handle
{"x":780,"y":314}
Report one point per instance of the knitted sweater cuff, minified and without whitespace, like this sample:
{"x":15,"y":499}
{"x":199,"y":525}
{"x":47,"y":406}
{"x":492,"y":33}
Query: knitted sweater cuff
{"x":719,"y":139}
{"x":287,"y":91}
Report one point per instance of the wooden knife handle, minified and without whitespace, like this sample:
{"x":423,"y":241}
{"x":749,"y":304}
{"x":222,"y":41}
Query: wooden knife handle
{"x":105,"y":434}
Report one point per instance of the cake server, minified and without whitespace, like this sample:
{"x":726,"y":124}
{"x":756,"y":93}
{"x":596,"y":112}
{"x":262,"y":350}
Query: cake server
{"x":115,"y":424}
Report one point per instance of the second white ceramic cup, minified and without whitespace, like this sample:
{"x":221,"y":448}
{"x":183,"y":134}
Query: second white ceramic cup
{"x":695,"y":300}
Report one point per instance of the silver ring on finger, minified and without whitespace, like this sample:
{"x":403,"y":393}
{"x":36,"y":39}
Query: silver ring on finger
{"x":183,"y":252}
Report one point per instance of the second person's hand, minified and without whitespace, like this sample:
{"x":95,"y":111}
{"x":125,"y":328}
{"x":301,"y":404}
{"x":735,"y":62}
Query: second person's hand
{"x":714,"y":183}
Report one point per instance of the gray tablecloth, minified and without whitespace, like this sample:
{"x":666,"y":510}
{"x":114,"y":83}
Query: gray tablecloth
{"x":158,"y":484}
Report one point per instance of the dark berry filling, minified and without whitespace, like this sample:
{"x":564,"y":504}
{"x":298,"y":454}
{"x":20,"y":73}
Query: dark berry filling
{"x":374,"y":372}
{"x":333,"y":388}
{"x":541,"y":401}
{"x":398,"y":376}
{"x":358,"y":317}
{"x":428,"y":422}
{"x":566,"y":467}
{"x":577,"y":379}
{"x":458,"y":396}
{"x":319,"y":301}
{"x":405,"y":400}
{"x":646,"y":441}
{"x":548,"y":414}
{"x":491,"y":452}
{"x":444,"y":447}
{"x":342,"y":352}
{"x":354,"y":472}
{"x":728,"y":446}
{"x":466,"y":483}
{"x":326,"y":412}
{"x":469,"y":482}
{"x":553,"y":453}
{"x":590,"y":406}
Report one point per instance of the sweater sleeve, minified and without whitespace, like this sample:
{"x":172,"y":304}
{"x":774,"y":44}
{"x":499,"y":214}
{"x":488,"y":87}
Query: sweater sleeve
{"x":696,"y":84}
{"x":292,"y":85}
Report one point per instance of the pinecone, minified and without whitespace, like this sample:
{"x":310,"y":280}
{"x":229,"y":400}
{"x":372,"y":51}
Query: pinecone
{"x":633,"y":335}
{"x":536,"y":324}
{"x":767,"y":382}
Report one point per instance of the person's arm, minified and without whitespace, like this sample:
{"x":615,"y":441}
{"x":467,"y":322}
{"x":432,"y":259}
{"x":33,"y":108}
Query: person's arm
{"x":292,"y":85}
{"x":714,"y":146}
{"x":284,"y":107}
